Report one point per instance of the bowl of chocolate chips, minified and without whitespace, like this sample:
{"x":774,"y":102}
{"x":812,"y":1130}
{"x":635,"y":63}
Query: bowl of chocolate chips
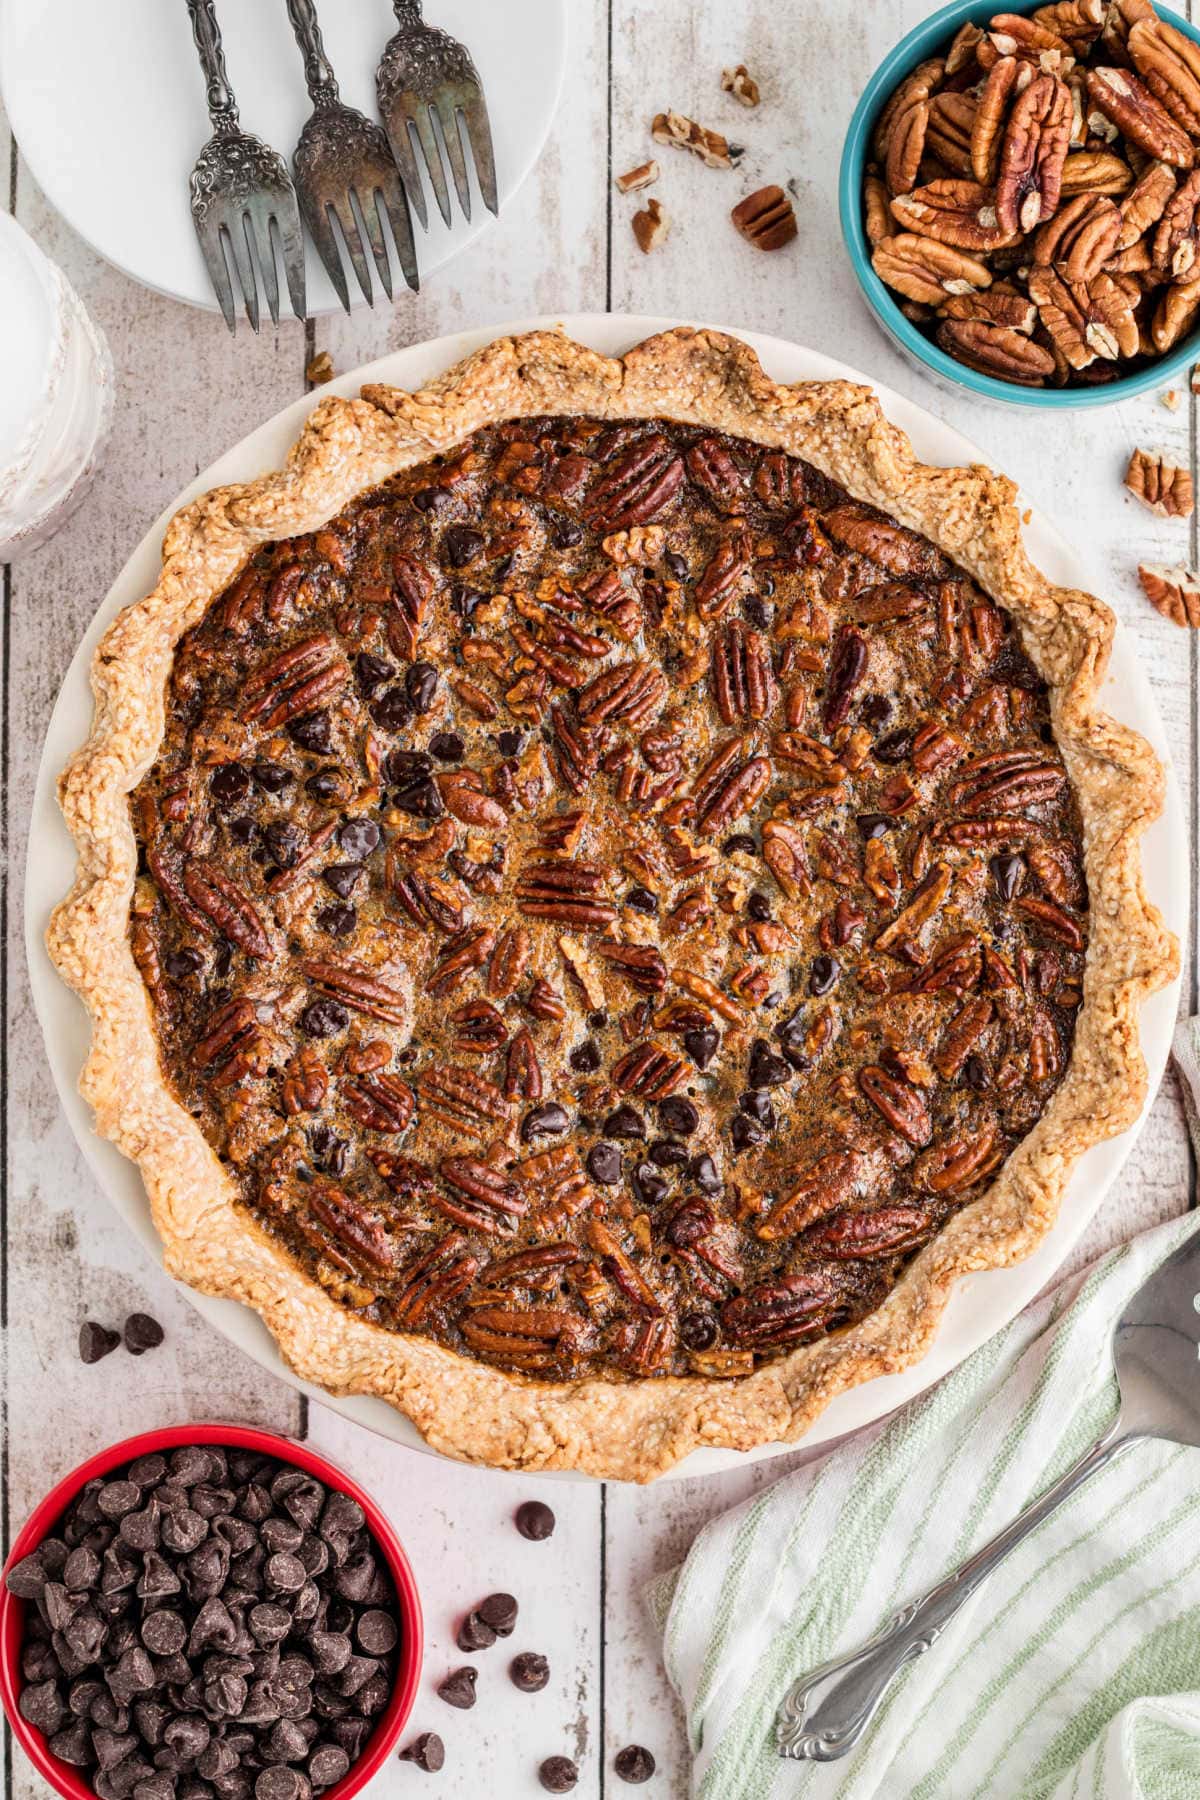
{"x":208,"y":1612}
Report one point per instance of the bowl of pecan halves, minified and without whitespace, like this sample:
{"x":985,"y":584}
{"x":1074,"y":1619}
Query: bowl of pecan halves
{"x":1020,"y":197}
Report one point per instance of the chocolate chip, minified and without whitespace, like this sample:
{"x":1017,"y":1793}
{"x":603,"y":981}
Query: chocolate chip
{"x":767,"y":1068}
{"x":312,"y":732}
{"x":73,"y":1745}
{"x":742,"y":842}
{"x":678,"y":1116}
{"x":116,"y":1498}
{"x":509,"y":742}
{"x":41,"y":1705}
{"x":447,"y":746}
{"x":873,"y":825}
{"x":427,"y":1751}
{"x":585,"y":1059}
{"x":179,"y":964}
{"x":697,"y":1331}
{"x":547,"y":1120}
{"x":634,"y":1764}
{"x":464,"y":600}
{"x":566,"y":533}
{"x":421,"y":684}
{"x":285,"y":1573}
{"x":183,"y":1531}
{"x":461,"y":544}
{"x":338,"y":921}
{"x":326,"y":785}
{"x":392,"y":712}
{"x":163,"y":1633}
{"x":530,"y":1672}
{"x":822,"y":975}
{"x":707,"y":1177}
{"x":323,"y":1018}
{"x":474,"y":1633}
{"x":604,"y":1164}
{"x":458,"y":1688}
{"x":558,"y":1774}
{"x":976,"y":1074}
{"x":357,"y":838}
{"x":327,"y":1764}
{"x":625,"y":1122}
{"x":500,"y":1612}
{"x":96,"y":1341}
{"x":535,"y":1521}
{"x":283,"y":840}
{"x":142,"y":1333}
{"x":668,"y":1154}
{"x":229,"y":784}
{"x":280,"y":1782}
{"x":746,"y":1132}
{"x":642,"y":900}
{"x":701,"y":1044}
{"x":377,"y":1632}
{"x":649,"y":1187}
{"x":1007,"y":873}
{"x":894,"y":748}
{"x":331,"y":1650}
{"x":27,"y":1578}
{"x":272,"y":777}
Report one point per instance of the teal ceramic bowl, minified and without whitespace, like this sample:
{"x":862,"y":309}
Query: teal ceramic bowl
{"x":928,"y":39}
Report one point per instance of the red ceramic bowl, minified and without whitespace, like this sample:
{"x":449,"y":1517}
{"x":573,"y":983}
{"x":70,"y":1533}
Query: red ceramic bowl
{"x":41,"y":1524}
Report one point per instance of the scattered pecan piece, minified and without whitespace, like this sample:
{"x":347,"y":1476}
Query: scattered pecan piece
{"x":650,"y":226}
{"x":739,"y":82}
{"x":644,"y":175}
{"x":766,"y":218}
{"x":1175,"y":593}
{"x":1163,"y":486}
{"x":714,"y":150}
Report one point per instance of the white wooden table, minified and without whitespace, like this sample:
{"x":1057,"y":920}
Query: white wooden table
{"x":185,"y":393}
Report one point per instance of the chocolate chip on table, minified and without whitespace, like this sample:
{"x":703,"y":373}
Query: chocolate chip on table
{"x":634,"y":1763}
{"x":535,"y":1521}
{"x":529,"y":1671}
{"x":427,"y":1751}
{"x":458,"y":1688}
{"x":500,"y":1612}
{"x":558,"y":1774}
{"x":142,"y":1333}
{"x":96,"y":1341}
{"x":474,"y":1633}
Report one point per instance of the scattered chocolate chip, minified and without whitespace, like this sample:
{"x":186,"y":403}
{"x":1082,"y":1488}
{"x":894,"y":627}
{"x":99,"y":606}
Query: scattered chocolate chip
{"x":327,"y":1764}
{"x":873,"y":825}
{"x":229,"y":783}
{"x":822,"y":974}
{"x":534,"y":1519}
{"x":283,"y":841}
{"x":740,"y":841}
{"x":676,"y":565}
{"x":642,"y":900}
{"x":500,"y":1612}
{"x":759,"y":906}
{"x":377,"y":1632}
{"x":392,"y":712}
{"x":668,"y":1154}
{"x":530,"y":1672}
{"x":324,"y":1018}
{"x":371,"y":671}
{"x":1007,"y":873}
{"x":625,"y":1122}
{"x":566,"y":533}
{"x":447,"y":746}
{"x":341,"y":878}
{"x":697,"y":1331}
{"x":474,"y":1634}
{"x":461,"y":544}
{"x":604,"y":1164}
{"x":701,"y":1044}
{"x":558,"y":1774}
{"x":547,"y":1120}
{"x":427,"y":1751}
{"x":458,"y":1688}
{"x":464,"y":600}
{"x":420,"y":684}
{"x":180,"y":964}
{"x":707,"y":1177}
{"x":678,"y":1116}
{"x":509,"y":742}
{"x":976,"y":1074}
{"x":338,"y":921}
{"x":649,"y":1187}
{"x":634,"y":1764}
{"x":746,"y":1132}
{"x":894,"y":748}
{"x":767,"y":1068}
{"x":585,"y":1059}
{"x":142,"y":1333}
{"x":311,"y":731}
{"x":96,"y":1341}
{"x":358,"y":838}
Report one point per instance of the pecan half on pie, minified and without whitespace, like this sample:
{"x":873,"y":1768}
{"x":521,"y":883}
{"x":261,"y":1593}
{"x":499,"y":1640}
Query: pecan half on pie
{"x":603,"y":887}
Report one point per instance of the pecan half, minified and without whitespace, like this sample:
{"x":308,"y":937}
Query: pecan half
{"x":1006,"y":80}
{"x":1145,"y":203}
{"x":1036,"y":140}
{"x":1169,"y":64}
{"x":711,"y":468}
{"x":223,"y":908}
{"x":483,"y":1198}
{"x":461,"y":1099}
{"x":358,"y":989}
{"x":887,"y":1231}
{"x":573,"y":891}
{"x":1006,"y":780}
{"x":1000,"y":305}
{"x":510,"y":959}
{"x":898,"y":1103}
{"x":1174,"y":315}
{"x":723,"y":573}
{"x":951,"y":124}
{"x":1174,"y":248}
{"x":997,"y":350}
{"x":743,"y":684}
{"x":522,"y":1071}
{"x":958,"y":1161}
{"x":1138,"y":116}
{"x":1096,"y":172}
{"x":641,"y":964}
{"x":961,"y":213}
{"x":294,"y":682}
{"x":649,"y":1071}
{"x":898,"y":551}
{"x":847,"y":671}
{"x":784,"y":854}
{"x":960,"y":1036}
{"x":781,"y":1312}
{"x":635,"y":485}
{"x":354,"y":1226}
{"x":765,"y":218}
{"x":926,"y":271}
{"x":1175,"y":593}
{"x":1163,"y":486}
{"x":741,"y":789}
{"x":381,"y":1102}
{"x":1080,"y":238}
{"x":1085,"y":320}
{"x":822,"y":1188}
{"x":435,"y":1280}
{"x":631,"y":692}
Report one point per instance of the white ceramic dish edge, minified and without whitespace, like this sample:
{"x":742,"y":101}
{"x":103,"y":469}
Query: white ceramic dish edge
{"x":981,"y":1304}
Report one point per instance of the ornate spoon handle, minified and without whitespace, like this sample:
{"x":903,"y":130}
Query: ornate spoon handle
{"x":222,"y":107}
{"x":318,"y":70}
{"x":825,"y":1712}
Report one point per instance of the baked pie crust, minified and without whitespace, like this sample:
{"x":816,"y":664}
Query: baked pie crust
{"x":628,"y":1429}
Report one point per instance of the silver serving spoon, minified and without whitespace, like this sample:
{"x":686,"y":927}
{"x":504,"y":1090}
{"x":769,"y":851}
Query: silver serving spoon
{"x":1156,"y":1348}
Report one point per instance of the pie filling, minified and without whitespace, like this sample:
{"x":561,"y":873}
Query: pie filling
{"x":608,"y":898}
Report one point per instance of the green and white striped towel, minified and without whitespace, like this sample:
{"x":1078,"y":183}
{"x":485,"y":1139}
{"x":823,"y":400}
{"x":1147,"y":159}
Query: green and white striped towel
{"x":1073,"y":1674}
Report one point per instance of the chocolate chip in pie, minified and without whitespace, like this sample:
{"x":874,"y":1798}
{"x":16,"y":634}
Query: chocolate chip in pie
{"x":632,"y":895}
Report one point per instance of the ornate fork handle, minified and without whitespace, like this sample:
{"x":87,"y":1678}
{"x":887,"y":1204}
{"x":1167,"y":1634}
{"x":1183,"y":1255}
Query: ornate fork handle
{"x":825,"y":1712}
{"x":222,"y":107}
{"x":408,"y":12}
{"x":318,"y":70}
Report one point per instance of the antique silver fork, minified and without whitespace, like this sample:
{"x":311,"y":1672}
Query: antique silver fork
{"x":240,"y":190}
{"x":1156,"y":1348}
{"x":345,"y":175}
{"x":425,"y":72}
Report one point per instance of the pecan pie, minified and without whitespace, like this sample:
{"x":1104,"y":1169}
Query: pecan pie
{"x":603,"y":887}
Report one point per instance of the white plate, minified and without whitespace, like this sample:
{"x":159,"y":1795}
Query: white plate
{"x":106,"y":99}
{"x":981,"y":1303}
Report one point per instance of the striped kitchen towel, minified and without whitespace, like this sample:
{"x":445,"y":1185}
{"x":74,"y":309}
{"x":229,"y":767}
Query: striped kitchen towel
{"x":1073,"y":1674}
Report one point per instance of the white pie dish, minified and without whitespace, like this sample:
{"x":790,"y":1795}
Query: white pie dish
{"x":981,"y":1303}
